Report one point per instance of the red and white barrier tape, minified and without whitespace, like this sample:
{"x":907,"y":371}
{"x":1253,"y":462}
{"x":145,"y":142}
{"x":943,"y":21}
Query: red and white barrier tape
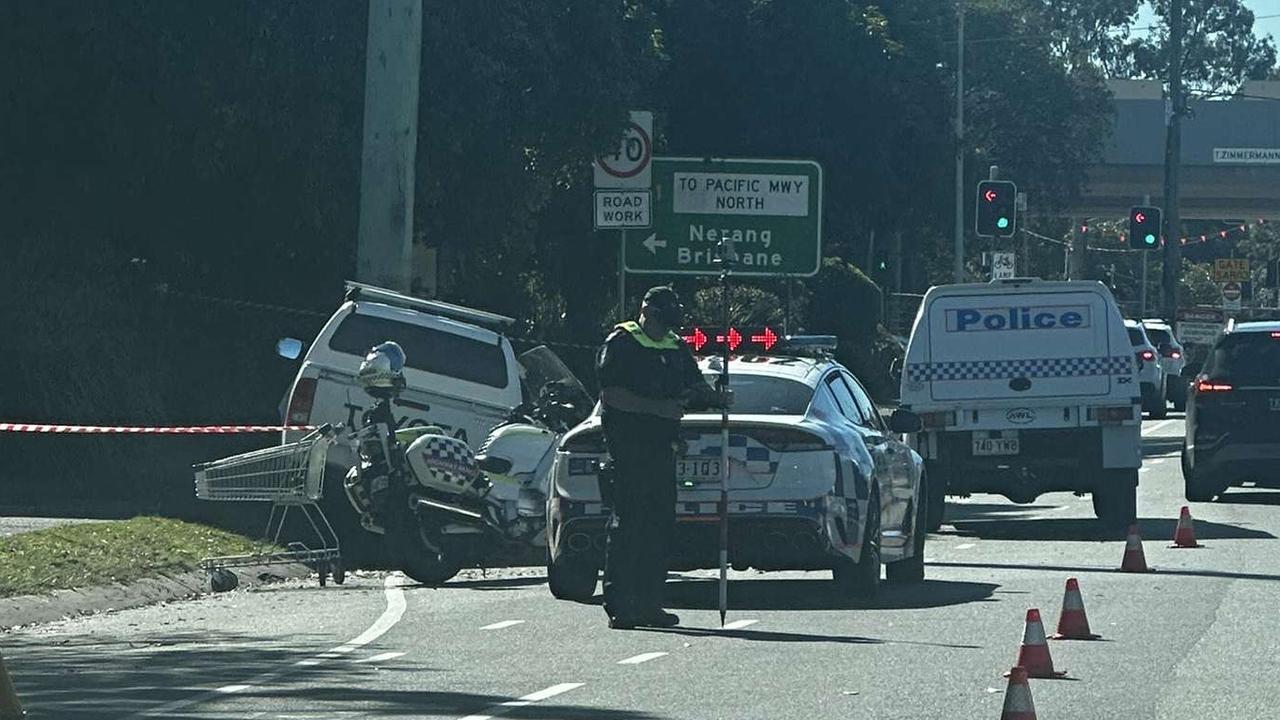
{"x":176,"y":430}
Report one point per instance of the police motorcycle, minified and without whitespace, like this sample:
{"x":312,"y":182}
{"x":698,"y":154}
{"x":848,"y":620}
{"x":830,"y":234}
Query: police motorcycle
{"x":441,"y":507}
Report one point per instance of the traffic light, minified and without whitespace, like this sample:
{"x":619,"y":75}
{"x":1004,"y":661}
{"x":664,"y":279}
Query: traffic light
{"x":996,"y":215}
{"x":1144,"y":228}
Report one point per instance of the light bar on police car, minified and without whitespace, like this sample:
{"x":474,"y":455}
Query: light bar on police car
{"x":709,"y":340}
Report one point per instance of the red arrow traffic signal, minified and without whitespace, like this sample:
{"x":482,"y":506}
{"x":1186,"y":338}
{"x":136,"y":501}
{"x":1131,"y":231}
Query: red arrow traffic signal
{"x":989,"y":196}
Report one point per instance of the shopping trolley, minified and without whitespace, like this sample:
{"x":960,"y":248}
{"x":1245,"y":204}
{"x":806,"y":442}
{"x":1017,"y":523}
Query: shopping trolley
{"x":288,"y":476}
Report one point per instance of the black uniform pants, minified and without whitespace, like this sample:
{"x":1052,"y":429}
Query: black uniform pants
{"x":644,"y":515}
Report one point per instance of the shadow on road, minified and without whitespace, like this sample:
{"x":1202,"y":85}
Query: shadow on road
{"x":774,"y":636}
{"x":1087,"y":529}
{"x":386,"y":702}
{"x":1159,"y":571}
{"x":1233,"y":497}
{"x":807,"y":594}
{"x":1161,"y":446}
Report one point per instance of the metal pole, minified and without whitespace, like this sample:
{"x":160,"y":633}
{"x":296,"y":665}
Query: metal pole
{"x":393,"y":59}
{"x":1172,"y":160}
{"x":727,"y":257}
{"x":959,"y":229}
{"x":622,"y":276}
{"x":1142,"y":257}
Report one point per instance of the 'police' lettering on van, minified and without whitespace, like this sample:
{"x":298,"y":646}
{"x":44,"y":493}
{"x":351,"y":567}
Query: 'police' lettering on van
{"x":1053,"y":317}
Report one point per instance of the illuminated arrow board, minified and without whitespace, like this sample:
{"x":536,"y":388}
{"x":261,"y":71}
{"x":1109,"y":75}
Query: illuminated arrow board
{"x":771,"y":210}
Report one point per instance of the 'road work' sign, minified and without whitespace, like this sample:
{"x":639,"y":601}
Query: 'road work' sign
{"x":622,"y":209}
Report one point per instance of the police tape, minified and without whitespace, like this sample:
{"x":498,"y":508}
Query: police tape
{"x":136,"y":430}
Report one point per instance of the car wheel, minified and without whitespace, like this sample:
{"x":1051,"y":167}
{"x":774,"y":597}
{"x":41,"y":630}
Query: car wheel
{"x":860,"y":580}
{"x":1115,"y":501}
{"x":1194,"y":487}
{"x":1160,"y":407}
{"x":935,"y":500}
{"x":571,"y":577}
{"x":911,"y":570}
{"x":1178,"y":394}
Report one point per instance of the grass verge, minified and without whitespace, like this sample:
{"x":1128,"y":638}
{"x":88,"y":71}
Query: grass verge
{"x":76,"y":556}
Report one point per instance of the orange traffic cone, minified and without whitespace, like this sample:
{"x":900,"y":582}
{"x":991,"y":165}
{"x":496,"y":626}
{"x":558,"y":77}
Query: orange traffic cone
{"x":1073,"y":624}
{"x":1185,"y":535}
{"x":1034,"y":653}
{"x":10,"y":708}
{"x":1017,"y":699}
{"x":1134,"y":559}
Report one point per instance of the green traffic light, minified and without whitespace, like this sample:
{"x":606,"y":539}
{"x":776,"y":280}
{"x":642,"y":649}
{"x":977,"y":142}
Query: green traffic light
{"x":1002,"y":223}
{"x":1149,"y":239}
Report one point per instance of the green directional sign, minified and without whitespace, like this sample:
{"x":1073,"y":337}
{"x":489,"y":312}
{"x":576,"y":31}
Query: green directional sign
{"x":770,"y":209}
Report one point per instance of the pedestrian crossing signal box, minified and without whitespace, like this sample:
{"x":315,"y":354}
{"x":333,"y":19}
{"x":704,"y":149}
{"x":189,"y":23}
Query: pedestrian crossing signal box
{"x":1144,"y":228}
{"x":996,"y":214}
{"x":764,"y":340}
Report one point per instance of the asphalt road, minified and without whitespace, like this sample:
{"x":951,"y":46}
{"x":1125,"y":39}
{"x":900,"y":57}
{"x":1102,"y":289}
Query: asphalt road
{"x":1193,"y":640}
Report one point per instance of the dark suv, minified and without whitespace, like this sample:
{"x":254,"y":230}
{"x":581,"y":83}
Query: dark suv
{"x":1233,"y":412}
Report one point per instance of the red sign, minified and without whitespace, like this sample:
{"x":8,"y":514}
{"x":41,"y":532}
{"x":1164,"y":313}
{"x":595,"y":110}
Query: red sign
{"x":1231,"y":291}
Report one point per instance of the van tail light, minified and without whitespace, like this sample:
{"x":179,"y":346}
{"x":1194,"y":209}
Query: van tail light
{"x":1208,"y":386}
{"x":939,"y":419}
{"x":1171,"y":353}
{"x":300,"y":402}
{"x":1111,"y":414}
{"x":1145,"y":356}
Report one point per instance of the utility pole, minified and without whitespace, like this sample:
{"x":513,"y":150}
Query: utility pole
{"x":393,"y":58}
{"x":1174,"y":110}
{"x":959,"y":240}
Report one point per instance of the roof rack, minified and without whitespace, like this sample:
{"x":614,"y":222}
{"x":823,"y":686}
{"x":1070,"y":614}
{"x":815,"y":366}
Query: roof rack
{"x":359,"y":291}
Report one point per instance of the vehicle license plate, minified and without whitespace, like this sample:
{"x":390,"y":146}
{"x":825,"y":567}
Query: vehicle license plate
{"x":995,"y":446}
{"x":698,"y":470}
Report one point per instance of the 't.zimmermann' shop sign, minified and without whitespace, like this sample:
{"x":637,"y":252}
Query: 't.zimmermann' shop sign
{"x":1252,"y":156}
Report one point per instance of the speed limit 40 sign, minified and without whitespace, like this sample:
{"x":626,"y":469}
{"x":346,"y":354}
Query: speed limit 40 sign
{"x":629,"y":166}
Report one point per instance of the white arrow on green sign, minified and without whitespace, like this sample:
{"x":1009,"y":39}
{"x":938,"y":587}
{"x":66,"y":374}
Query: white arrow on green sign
{"x":770,"y":209}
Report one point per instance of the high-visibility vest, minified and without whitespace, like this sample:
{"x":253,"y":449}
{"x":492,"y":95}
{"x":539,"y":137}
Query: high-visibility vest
{"x":670,"y":342}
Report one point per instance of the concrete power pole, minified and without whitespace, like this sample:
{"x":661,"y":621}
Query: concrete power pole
{"x":959,"y":239}
{"x":392,"y":65}
{"x":1172,"y":160}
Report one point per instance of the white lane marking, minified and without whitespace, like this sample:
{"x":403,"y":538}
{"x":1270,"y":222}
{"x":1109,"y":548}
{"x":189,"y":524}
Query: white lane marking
{"x":494,"y":711}
{"x":380,"y":658}
{"x":390,"y":616}
{"x":965,"y":546}
{"x":502,"y":625}
{"x":739,"y":624}
{"x":1144,"y":469}
{"x":1157,"y":461}
{"x":641,"y":658}
{"x":1150,"y":429}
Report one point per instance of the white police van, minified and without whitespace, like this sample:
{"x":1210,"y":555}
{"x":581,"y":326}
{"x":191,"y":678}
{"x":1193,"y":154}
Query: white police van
{"x":1025,"y":386}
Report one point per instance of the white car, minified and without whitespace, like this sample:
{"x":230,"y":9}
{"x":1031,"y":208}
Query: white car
{"x":1173,"y":359}
{"x":1151,"y":377}
{"x":818,"y":481}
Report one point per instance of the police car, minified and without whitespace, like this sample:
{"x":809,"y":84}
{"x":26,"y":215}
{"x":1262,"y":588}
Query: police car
{"x":818,"y":479}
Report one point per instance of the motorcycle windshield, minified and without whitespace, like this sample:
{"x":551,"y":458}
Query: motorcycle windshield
{"x":541,"y":366}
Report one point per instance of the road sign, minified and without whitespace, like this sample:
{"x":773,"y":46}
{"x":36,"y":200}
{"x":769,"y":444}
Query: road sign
{"x":622,"y":209}
{"x":1231,"y":295}
{"x":770,"y":209}
{"x":1003,"y":265}
{"x":1231,"y":270}
{"x":631,"y":165}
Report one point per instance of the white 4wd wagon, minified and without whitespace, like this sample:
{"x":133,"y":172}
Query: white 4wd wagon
{"x":1024,"y":387}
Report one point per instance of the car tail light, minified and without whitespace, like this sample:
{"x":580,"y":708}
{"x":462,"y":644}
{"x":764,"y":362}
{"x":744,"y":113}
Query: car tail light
{"x":586,"y":442}
{"x":1111,"y":414}
{"x":939,"y":419}
{"x":300,"y":402}
{"x":1209,"y":386}
{"x":1171,"y":353}
{"x":787,"y":439}
{"x":1146,"y":356}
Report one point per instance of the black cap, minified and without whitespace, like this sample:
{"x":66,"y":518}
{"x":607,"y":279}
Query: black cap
{"x":662,"y":296}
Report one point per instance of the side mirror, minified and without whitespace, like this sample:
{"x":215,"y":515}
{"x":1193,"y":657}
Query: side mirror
{"x":289,"y":348}
{"x":905,"y":421}
{"x":493,"y":465}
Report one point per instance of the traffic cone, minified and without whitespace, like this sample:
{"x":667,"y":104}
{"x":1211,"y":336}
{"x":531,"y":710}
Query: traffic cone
{"x":1073,"y":624}
{"x":1134,"y":559}
{"x":10,"y":708}
{"x":1185,"y":535}
{"x":1017,"y":698}
{"x":1033,"y":656}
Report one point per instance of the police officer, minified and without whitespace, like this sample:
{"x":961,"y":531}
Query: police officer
{"x":647,"y":378}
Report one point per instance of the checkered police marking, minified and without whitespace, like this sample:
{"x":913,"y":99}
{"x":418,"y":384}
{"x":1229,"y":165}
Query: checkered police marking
{"x":755,"y":457}
{"x":1034,"y":368}
{"x":450,"y":460}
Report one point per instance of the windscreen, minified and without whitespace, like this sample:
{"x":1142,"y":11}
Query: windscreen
{"x":1009,"y":345}
{"x":1159,"y":337}
{"x":1135,"y":337}
{"x":426,"y":349}
{"x":1246,"y":359}
{"x":764,"y":395}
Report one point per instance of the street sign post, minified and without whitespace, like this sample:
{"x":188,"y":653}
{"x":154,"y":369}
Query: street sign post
{"x":1231,"y":293}
{"x":630,"y":165}
{"x":622,"y":209}
{"x":769,"y":211}
{"x":1199,"y":326}
{"x":1003,"y":265}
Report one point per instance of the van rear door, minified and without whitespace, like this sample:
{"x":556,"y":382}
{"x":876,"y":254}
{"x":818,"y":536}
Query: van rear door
{"x":1009,"y":345}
